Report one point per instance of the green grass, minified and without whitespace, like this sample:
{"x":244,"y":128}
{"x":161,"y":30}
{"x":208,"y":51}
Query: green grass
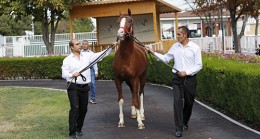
{"x":27,"y":113}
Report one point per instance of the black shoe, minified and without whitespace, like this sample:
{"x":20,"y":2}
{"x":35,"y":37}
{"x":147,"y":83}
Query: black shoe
{"x":72,"y":137}
{"x":185,"y":127}
{"x":79,"y":133}
{"x":178,"y":134}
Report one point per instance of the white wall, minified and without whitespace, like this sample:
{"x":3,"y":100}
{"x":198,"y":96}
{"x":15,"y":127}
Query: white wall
{"x":143,"y":28}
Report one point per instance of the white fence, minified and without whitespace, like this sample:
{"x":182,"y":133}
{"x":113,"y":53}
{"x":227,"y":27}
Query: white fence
{"x":209,"y":44}
{"x":25,"y":46}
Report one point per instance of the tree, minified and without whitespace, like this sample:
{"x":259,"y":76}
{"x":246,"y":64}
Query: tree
{"x":255,"y":13}
{"x":79,"y":25}
{"x":11,"y":26}
{"x":47,"y":12}
{"x":236,"y":8}
{"x":206,"y":10}
{"x":82,"y":25}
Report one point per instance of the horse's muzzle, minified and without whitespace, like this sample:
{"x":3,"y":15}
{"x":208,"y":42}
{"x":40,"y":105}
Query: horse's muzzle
{"x":121,"y":37}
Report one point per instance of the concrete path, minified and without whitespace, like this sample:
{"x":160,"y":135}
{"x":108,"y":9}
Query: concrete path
{"x":102,"y":118}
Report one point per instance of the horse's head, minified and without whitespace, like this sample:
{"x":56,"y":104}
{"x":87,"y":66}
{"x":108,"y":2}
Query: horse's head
{"x":126,"y":25}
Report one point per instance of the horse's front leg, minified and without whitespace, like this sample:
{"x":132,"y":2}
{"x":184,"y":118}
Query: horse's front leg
{"x":136,"y":103}
{"x":141,"y":94}
{"x":121,"y":122}
{"x":142,"y":106}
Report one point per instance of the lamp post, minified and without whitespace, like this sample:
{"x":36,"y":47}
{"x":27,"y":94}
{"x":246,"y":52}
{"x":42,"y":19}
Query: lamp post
{"x":32,"y":25}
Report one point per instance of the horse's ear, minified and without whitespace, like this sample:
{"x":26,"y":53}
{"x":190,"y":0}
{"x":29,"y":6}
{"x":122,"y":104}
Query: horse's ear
{"x":129,"y":12}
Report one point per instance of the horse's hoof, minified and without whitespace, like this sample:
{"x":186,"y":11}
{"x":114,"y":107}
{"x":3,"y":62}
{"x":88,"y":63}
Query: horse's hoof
{"x":121,"y":124}
{"x":133,"y":116}
{"x":141,"y":126}
{"x":142,"y":118}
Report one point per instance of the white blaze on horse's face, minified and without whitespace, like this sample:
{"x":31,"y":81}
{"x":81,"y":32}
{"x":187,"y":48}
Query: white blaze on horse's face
{"x":121,"y":31}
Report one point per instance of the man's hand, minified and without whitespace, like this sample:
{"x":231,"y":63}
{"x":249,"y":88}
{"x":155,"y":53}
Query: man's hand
{"x":182,"y":74}
{"x":96,"y":75}
{"x":115,"y":44}
{"x":149,"y":50}
{"x":76,"y":74}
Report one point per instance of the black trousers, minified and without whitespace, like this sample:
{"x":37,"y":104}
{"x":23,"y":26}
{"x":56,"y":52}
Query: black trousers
{"x":184,"y":90}
{"x":78,"y":97}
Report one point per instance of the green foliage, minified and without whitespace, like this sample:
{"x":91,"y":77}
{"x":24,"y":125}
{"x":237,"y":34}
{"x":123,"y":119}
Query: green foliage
{"x":158,"y":72}
{"x":48,"y":13}
{"x":105,"y":68}
{"x":82,"y":25}
{"x":79,"y":25}
{"x":11,"y":26}
{"x":231,"y":85}
{"x":31,"y":68}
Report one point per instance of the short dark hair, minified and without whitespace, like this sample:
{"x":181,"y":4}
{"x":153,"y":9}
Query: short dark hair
{"x":185,"y":30}
{"x":71,"y":43}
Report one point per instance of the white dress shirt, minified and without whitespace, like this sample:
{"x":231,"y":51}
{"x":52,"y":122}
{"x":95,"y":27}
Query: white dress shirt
{"x":186,"y":59}
{"x":72,"y":64}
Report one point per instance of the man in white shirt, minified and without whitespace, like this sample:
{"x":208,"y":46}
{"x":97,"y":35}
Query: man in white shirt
{"x":93,"y":72}
{"x":187,"y":63}
{"x":77,"y":83}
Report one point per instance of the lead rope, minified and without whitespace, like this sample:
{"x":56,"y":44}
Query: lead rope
{"x":149,"y":53}
{"x":91,"y":64}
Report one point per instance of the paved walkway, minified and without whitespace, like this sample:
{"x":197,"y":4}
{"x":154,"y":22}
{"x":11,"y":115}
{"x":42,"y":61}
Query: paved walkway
{"x":102,"y":118}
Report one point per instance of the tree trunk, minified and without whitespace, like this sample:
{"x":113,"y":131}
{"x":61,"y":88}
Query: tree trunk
{"x":234,"y":31}
{"x":235,"y":39}
{"x":241,"y":34}
{"x":256,"y":30}
{"x":45,"y":32}
{"x":49,"y":38}
{"x":210,"y":26}
{"x":53,"y":31}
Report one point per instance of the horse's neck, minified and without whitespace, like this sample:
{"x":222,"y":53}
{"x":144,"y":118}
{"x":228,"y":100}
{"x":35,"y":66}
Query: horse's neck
{"x":126,"y":46}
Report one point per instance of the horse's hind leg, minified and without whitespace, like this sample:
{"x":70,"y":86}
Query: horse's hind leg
{"x":133,"y":110}
{"x":121,"y":122}
{"x":141,"y":94}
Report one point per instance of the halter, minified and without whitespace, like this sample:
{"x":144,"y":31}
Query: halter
{"x":131,"y":25}
{"x":126,"y":29}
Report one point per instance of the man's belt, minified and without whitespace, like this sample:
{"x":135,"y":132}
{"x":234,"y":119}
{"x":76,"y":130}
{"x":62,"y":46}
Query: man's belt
{"x":79,"y":85}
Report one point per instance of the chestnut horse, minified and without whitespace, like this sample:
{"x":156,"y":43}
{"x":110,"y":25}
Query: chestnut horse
{"x":130,"y":65}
